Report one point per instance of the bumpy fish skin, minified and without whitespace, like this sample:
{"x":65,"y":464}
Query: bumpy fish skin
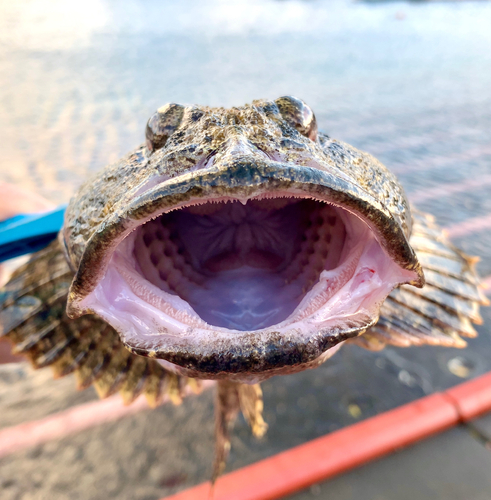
{"x":33,"y":304}
{"x":206,"y":133}
{"x":239,"y":153}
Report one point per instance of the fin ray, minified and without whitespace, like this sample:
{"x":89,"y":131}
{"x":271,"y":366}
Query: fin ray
{"x":33,"y":318}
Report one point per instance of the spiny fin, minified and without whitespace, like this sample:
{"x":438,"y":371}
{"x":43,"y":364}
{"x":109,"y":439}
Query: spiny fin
{"x":251,"y":406}
{"x":230,"y":398}
{"x":33,"y":318}
{"x":443,"y":311}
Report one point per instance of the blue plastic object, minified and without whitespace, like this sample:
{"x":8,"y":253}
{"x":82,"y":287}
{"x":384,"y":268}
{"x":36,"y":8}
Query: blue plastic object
{"x":29,"y":233}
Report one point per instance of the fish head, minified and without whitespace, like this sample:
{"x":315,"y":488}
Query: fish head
{"x":239,"y":243}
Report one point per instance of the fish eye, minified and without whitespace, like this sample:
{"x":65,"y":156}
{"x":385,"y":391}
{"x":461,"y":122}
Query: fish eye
{"x":299,"y":115}
{"x":162,"y":124}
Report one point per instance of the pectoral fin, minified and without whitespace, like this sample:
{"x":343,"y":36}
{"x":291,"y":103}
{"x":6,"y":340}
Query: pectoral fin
{"x":33,"y":318}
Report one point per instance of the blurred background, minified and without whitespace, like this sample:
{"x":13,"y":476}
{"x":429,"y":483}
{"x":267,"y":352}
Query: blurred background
{"x":410,"y":82}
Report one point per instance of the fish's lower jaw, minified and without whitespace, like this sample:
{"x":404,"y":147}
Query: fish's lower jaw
{"x":246,"y":377}
{"x":245,"y":290}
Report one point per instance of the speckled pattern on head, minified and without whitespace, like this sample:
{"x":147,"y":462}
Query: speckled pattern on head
{"x":210,"y":133}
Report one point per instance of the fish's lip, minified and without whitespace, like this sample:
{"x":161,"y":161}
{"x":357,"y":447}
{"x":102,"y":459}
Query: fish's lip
{"x":249,"y":358}
{"x":241,"y":178}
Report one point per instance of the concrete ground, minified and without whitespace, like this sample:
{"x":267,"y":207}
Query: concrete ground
{"x":454,"y":465}
{"x":409,"y":82}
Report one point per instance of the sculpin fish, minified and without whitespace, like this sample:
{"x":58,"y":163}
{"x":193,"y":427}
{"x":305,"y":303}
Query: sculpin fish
{"x":235,"y":244}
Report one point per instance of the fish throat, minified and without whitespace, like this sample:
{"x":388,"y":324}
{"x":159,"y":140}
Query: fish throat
{"x":244,"y":266}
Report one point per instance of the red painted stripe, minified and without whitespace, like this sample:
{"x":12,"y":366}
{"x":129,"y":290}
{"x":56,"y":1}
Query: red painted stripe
{"x":449,"y":189}
{"x":469,"y":226}
{"x":64,"y":423}
{"x":71,"y":421}
{"x":333,"y":454}
{"x":472,"y":398}
{"x":350,"y":447}
{"x":6,"y":355}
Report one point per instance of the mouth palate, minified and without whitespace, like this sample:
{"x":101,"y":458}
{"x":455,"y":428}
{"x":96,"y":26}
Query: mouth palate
{"x":242,"y":266}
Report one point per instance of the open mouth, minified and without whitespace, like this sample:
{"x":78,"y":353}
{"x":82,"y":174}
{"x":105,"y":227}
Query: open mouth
{"x":264,"y":281}
{"x":275,"y":262}
{"x":251,"y":266}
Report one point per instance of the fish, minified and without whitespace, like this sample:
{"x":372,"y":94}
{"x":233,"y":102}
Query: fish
{"x":235,"y":245}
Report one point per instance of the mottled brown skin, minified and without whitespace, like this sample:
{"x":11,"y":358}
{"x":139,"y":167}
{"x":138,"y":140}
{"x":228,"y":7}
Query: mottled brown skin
{"x":198,"y":162}
{"x":181,"y":141}
{"x":204,"y":133}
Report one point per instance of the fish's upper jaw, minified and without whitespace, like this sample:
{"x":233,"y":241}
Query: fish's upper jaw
{"x":248,"y":269}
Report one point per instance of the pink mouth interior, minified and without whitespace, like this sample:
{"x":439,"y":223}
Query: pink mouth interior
{"x":242,"y":267}
{"x":209,"y":273}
